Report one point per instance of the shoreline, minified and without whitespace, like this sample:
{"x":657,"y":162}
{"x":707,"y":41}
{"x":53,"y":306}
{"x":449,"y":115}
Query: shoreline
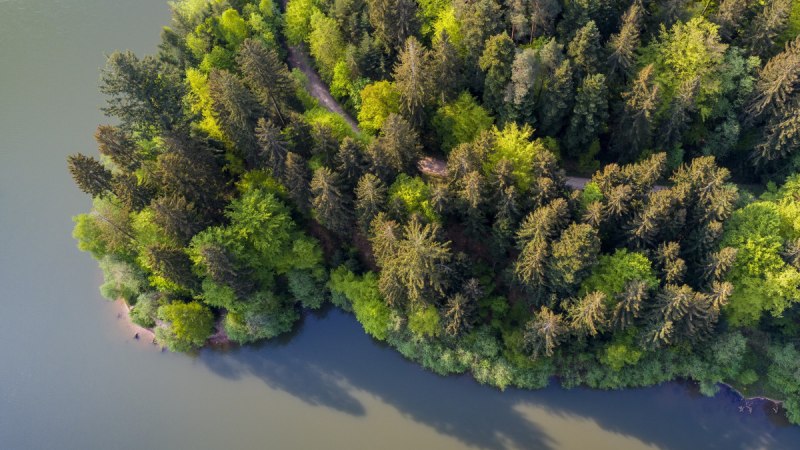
{"x":219,"y":340}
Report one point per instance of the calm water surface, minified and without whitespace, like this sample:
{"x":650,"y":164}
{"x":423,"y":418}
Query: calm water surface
{"x":72,"y":377}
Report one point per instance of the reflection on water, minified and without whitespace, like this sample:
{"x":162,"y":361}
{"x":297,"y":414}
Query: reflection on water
{"x":329,"y":360}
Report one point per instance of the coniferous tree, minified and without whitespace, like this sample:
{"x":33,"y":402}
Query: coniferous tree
{"x":585,"y":49}
{"x":446,"y":66}
{"x":729,"y":17}
{"x":457,"y":314}
{"x":589,"y":116}
{"x":173,"y":264}
{"x":557,"y":100}
{"x":677,"y":118}
{"x":222,"y":268}
{"x":236,"y":110}
{"x":296,"y":178}
{"x":115,"y":144}
{"x":478,"y":19}
{"x":177,"y":217}
{"x":623,"y":45}
{"x":766,"y":26}
{"x":272,"y":148}
{"x":630,"y":305}
{"x":635,"y":125}
{"x":267,"y":76}
{"x":394,"y":21}
{"x":90,"y":176}
{"x":325,"y":145}
{"x":370,"y":199}
{"x":350,"y":162}
{"x":397,"y":148}
{"x":544,"y":332}
{"x":130,"y":191}
{"x":588,"y":315}
{"x":330,"y":205}
{"x":778,"y":81}
{"x":143,"y":102}
{"x":671,"y":265}
{"x":496,"y":63}
{"x":571,"y":258}
{"x":414,"y":267}
{"x":412,"y":79}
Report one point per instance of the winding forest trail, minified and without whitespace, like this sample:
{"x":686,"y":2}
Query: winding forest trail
{"x":298,"y":58}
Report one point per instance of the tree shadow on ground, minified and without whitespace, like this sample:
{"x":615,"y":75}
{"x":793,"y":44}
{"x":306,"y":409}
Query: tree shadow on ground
{"x":329,"y":356}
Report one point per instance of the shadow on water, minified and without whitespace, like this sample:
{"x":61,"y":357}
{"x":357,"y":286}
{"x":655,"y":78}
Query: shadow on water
{"x":329,"y":356}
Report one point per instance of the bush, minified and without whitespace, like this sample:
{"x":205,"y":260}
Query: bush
{"x":188,"y":326}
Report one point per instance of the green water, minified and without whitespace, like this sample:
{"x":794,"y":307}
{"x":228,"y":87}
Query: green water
{"x":72,"y":376}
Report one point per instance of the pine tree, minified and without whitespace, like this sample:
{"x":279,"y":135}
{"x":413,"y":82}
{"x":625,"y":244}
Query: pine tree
{"x":588,"y":315}
{"x":557,"y":100}
{"x":496,"y":63}
{"x":394,"y":21}
{"x":544,"y":332}
{"x":296,"y":178}
{"x":719,"y":264}
{"x":236,"y":110}
{"x":623,"y":45}
{"x":272,"y":148}
{"x":173,"y":264}
{"x":412,"y":79}
{"x":766,"y":26}
{"x":350,"y":162}
{"x":90,"y":176}
{"x":457,"y":314}
{"x":634,"y":129}
{"x":130,"y":191}
{"x":777,"y":85}
{"x":397,"y":147}
{"x":677,"y":119}
{"x":370,"y":199}
{"x":267,"y":76}
{"x":330,"y":205}
{"x":446,"y":66}
{"x":572,"y":257}
{"x":325,"y":144}
{"x":543,"y":15}
{"x":177,"y":217}
{"x":221,"y":267}
{"x":117,"y":146}
{"x":781,"y":138}
{"x":585,"y":49}
{"x":589,"y":116}
{"x":671,"y":265}
{"x":414,"y":268}
{"x":729,"y":17}
{"x":630,"y":305}
{"x":145,"y":94}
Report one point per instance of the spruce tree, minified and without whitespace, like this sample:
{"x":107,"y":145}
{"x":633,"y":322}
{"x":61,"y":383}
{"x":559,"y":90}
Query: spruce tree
{"x":585,"y":49}
{"x":589,"y":116}
{"x":296,"y":178}
{"x":267,"y":76}
{"x":370,"y":199}
{"x":412,"y":79}
{"x":90,"y":176}
{"x":330,"y":204}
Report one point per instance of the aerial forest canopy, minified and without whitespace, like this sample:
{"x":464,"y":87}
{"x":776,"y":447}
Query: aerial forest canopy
{"x":228,"y":198}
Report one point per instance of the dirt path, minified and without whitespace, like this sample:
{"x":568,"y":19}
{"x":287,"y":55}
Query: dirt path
{"x":299,"y":59}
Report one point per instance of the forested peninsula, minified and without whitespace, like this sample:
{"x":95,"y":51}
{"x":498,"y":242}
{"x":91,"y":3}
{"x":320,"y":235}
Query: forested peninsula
{"x":228,"y":199}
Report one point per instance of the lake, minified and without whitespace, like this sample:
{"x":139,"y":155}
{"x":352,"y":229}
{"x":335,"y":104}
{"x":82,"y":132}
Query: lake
{"x":73,"y":377}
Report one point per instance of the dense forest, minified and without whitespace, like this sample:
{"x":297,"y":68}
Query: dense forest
{"x":229,"y":199}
